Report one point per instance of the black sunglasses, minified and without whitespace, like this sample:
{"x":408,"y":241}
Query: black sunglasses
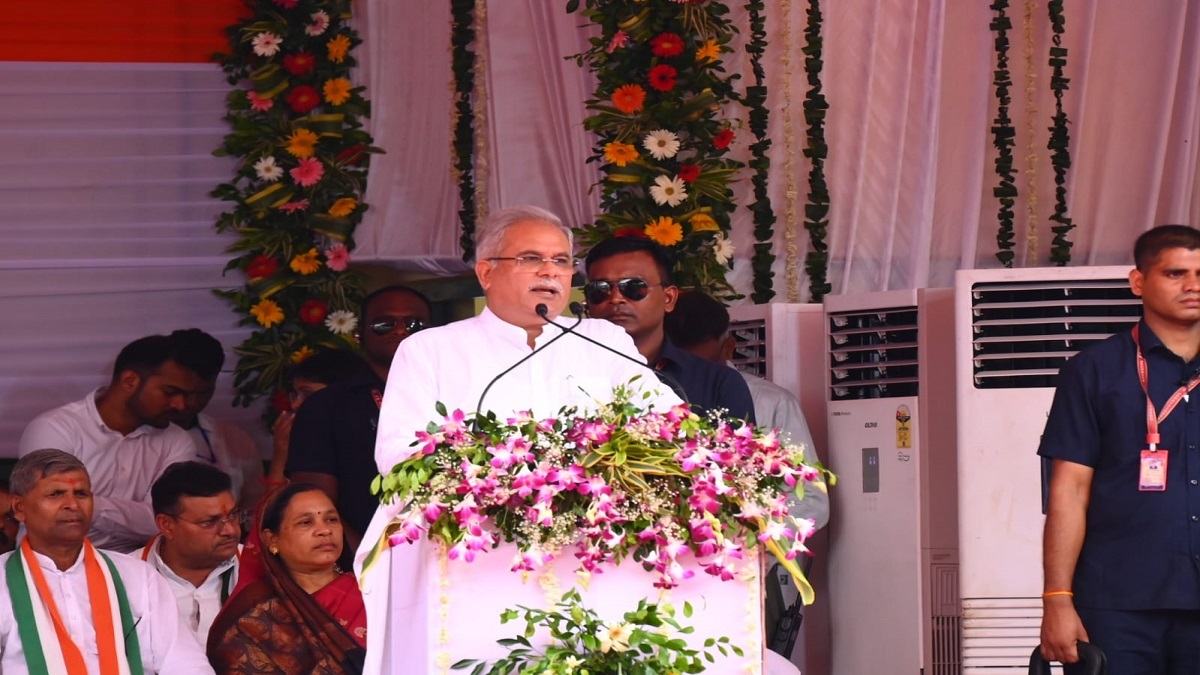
{"x":385,"y":326}
{"x":596,"y":292}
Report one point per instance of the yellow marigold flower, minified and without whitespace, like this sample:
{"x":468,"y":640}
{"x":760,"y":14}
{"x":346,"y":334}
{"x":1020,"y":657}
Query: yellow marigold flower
{"x":343,"y":207}
{"x":337,"y":90}
{"x":302,"y":354}
{"x":302,"y":143}
{"x":306,"y":263}
{"x":620,"y":153}
{"x":664,"y":231}
{"x":702,"y":222}
{"x":338,"y":47}
{"x":708,"y":52}
{"x":268,"y":313}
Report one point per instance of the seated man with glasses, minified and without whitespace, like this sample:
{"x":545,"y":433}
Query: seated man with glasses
{"x":197,"y":547}
{"x":630,"y":284}
{"x":332,"y":442}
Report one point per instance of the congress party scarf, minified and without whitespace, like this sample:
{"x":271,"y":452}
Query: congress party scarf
{"x":49,"y":649}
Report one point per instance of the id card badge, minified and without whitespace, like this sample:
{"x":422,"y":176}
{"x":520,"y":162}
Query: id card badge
{"x":1153,"y":474}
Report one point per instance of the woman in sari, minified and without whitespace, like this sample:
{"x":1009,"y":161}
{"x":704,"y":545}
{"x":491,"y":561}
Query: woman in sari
{"x":303,"y":615}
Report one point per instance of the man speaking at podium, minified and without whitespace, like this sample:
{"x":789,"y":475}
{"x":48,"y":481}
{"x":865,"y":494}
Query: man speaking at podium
{"x":421,"y":617}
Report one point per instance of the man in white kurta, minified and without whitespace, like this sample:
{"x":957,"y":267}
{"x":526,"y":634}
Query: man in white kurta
{"x":425,"y":613}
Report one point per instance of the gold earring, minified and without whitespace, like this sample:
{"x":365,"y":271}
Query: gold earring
{"x":274,"y":550}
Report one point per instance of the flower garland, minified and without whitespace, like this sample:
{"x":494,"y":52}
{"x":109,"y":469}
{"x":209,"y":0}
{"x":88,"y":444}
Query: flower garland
{"x":791,"y":194}
{"x":1060,"y":139}
{"x":1003,"y":136}
{"x":816,"y":211}
{"x":1031,"y":115}
{"x":480,"y":109}
{"x":462,"y":64}
{"x":756,"y":101}
{"x":661,"y":145}
{"x":297,"y":192}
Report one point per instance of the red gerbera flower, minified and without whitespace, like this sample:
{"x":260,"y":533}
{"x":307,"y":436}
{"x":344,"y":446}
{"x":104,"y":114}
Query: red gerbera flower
{"x":298,"y":64}
{"x":662,"y":77}
{"x":261,"y":266}
{"x":303,"y":99}
{"x":313,"y":311}
{"x":723,"y":139}
{"x":666,"y":45}
{"x":630,"y":232}
{"x":689,"y":172}
{"x":281,"y":401}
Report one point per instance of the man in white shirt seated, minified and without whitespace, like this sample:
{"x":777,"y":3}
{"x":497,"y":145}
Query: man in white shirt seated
{"x":197,"y":548}
{"x":123,"y":435}
{"x":66,"y":606}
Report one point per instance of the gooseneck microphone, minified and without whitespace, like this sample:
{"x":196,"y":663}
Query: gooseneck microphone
{"x":577,"y":310}
{"x":541,"y":311}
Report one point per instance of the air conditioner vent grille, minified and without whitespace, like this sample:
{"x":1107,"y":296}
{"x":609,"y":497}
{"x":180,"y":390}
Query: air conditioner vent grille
{"x":1023,"y":332}
{"x":750,"y":346}
{"x":873,"y":353}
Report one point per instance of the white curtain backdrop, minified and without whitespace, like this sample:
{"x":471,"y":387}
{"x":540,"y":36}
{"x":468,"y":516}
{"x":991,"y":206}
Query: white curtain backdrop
{"x":910,"y":167}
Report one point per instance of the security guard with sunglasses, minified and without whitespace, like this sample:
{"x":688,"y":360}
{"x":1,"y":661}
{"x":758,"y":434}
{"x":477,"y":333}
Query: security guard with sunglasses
{"x":333,"y":436}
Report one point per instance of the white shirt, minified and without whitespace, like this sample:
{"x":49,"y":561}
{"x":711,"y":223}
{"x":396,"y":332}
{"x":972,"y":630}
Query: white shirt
{"x":453,"y":364}
{"x":231,"y":449}
{"x":198,"y":605}
{"x":122,"y":467}
{"x":776,"y":408}
{"x":166,"y":644}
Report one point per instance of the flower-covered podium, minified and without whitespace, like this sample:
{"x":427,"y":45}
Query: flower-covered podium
{"x":622,"y":505}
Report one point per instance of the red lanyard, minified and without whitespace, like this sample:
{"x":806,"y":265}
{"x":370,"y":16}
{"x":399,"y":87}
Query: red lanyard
{"x":1152,"y":419}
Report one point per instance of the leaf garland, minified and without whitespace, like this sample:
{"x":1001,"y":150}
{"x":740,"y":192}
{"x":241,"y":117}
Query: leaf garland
{"x":462,"y":64}
{"x":816,"y":211}
{"x":296,"y":196}
{"x":1060,"y":139}
{"x":755,"y":100}
{"x":1003,"y":136}
{"x":661,"y":143}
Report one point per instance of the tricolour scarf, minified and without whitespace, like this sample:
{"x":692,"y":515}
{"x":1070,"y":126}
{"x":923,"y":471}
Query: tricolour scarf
{"x":49,"y":649}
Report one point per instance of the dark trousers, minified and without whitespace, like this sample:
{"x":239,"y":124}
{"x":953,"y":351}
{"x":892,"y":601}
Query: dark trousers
{"x":1146,"y":642}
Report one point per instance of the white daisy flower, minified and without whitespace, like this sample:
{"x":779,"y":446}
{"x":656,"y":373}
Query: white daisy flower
{"x":668,"y":191}
{"x":266,"y":44}
{"x":268,"y":170}
{"x":662,"y":144}
{"x":722,"y":249}
{"x":320,"y":22}
{"x":341,"y":322}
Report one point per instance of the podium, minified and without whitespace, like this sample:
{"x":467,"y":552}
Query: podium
{"x":442,"y":611}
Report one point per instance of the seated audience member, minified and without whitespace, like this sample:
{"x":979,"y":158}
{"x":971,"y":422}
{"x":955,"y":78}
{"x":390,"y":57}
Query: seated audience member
{"x":304,"y":615}
{"x":630,"y":283}
{"x":218,"y":442}
{"x":123,"y":435}
{"x":196,"y":550}
{"x":307,"y":378}
{"x":700,"y":325}
{"x":9,"y":525}
{"x":70,"y":608}
{"x":333,"y":437}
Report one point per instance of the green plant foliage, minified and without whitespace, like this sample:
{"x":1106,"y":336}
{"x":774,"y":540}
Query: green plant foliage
{"x":296,"y":194}
{"x":816,"y":211}
{"x":756,"y":101}
{"x":462,"y":63}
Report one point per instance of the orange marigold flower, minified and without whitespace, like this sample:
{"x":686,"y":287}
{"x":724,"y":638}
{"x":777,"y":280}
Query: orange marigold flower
{"x":302,"y":354}
{"x":306,"y":263}
{"x":337,"y":90}
{"x":302,"y":143}
{"x":664,"y":231}
{"x":629,"y":98}
{"x":619,"y":153}
{"x":708,"y":52}
{"x":338,"y":47}
{"x":343,"y":207}
{"x":267,"y":313}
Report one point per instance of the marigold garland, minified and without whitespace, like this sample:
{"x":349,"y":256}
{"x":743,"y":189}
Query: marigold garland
{"x":816,"y":211}
{"x":756,"y":101}
{"x":296,"y":197}
{"x":661,"y":86}
{"x":1060,"y":139}
{"x":462,"y":60}
{"x":1003,"y":136}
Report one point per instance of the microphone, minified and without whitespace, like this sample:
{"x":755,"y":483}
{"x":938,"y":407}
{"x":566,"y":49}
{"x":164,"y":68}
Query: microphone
{"x":541,"y":310}
{"x":577,"y":310}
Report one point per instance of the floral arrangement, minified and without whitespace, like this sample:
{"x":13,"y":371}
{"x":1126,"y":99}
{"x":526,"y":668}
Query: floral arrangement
{"x":654,"y":486}
{"x":647,"y":640}
{"x":296,"y":197}
{"x":662,"y":142}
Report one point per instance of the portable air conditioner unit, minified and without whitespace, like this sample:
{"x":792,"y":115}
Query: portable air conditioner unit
{"x":1017,"y":327}
{"x":894,"y":551}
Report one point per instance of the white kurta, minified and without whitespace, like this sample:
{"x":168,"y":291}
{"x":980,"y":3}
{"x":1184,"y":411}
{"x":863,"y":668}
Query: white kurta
{"x":198,"y":605}
{"x":453,"y":364}
{"x":166,"y":643}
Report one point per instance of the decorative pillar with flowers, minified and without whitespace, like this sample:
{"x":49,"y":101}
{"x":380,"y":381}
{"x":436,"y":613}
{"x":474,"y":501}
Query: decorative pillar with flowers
{"x":296,"y":197}
{"x":662,"y":140}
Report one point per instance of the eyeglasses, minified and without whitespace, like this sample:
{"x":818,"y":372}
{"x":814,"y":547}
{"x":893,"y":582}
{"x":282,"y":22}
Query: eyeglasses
{"x":600,"y":290}
{"x":385,"y":326}
{"x":236,"y":517}
{"x":533,"y":262}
